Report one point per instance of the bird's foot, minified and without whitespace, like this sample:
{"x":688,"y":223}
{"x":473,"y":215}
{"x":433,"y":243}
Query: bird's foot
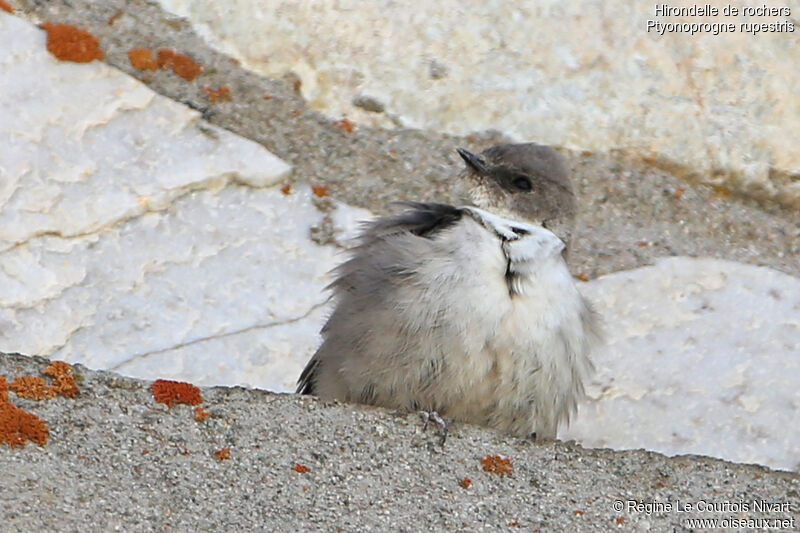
{"x":428,"y":416}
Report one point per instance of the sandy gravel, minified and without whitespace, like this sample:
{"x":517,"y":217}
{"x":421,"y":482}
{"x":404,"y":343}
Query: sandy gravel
{"x":118,"y":461}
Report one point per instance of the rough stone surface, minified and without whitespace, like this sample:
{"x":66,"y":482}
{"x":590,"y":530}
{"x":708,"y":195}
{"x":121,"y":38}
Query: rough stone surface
{"x":117,"y":460}
{"x":581,"y":74}
{"x":196,"y":292}
{"x":622,"y":203}
{"x":632,"y":214}
{"x":701,"y":356}
{"x":131,"y":230}
{"x":87,"y":146}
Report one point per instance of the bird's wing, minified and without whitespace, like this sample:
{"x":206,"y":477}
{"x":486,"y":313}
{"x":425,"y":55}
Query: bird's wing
{"x":420,"y":218}
{"x":364,"y":278}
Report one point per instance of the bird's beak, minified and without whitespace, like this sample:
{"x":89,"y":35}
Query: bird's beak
{"x":476,"y":162}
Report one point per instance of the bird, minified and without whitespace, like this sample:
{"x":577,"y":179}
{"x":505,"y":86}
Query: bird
{"x":466,"y":313}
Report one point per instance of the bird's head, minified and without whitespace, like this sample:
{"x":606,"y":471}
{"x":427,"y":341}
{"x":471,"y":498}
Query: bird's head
{"x":527,"y":182}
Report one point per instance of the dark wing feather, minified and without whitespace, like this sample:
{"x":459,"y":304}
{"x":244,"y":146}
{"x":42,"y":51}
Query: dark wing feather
{"x":420,"y":218}
{"x":305,"y":384}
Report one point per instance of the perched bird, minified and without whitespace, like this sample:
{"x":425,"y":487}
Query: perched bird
{"x":469,"y":312}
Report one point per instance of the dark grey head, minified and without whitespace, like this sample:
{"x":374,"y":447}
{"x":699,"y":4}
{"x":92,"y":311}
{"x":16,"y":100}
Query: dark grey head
{"x":528,"y":182}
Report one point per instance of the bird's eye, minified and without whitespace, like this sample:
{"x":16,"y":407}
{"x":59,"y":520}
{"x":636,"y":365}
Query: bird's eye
{"x":522,"y":183}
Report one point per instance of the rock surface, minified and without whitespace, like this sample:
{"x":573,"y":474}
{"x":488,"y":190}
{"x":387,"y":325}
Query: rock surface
{"x":700,"y":357}
{"x":89,"y":147}
{"x":117,"y":205}
{"x":194,"y":290}
{"x":721,"y":109}
{"x":117,"y":460}
{"x":632,"y":214}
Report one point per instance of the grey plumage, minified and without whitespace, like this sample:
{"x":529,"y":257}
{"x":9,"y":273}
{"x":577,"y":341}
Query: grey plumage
{"x":466,"y":311}
{"x":494,"y":178}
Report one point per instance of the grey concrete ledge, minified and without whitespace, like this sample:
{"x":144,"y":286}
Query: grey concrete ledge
{"x":118,"y":461}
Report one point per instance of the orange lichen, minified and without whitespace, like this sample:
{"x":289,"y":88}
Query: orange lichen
{"x":69,"y":43}
{"x":66,"y":387}
{"x":679,"y":192}
{"x":320,"y":190}
{"x":302,"y":469}
{"x":180,"y":64}
{"x":32,"y":388}
{"x":165,"y":57}
{"x":171,"y":392}
{"x":345,"y":125}
{"x":18,"y":426}
{"x":223,"y":455}
{"x":515,"y":523}
{"x":5,"y":7}
{"x":64,"y":381}
{"x":578,"y":512}
{"x":143,"y":59}
{"x":201,"y":415}
{"x":286,"y":189}
{"x":58,"y":369}
{"x":465,"y":483}
{"x":497,"y":465}
{"x":582,"y":277}
{"x":620,"y":520}
{"x":223,"y":93}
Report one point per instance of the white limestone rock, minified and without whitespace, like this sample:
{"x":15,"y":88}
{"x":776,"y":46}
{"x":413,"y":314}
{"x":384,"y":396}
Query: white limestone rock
{"x":86,"y":146}
{"x":223,"y":288}
{"x":702,"y":356}
{"x":581,"y":74}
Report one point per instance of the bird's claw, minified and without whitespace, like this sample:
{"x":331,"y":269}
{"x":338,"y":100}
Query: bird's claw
{"x":428,"y":416}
